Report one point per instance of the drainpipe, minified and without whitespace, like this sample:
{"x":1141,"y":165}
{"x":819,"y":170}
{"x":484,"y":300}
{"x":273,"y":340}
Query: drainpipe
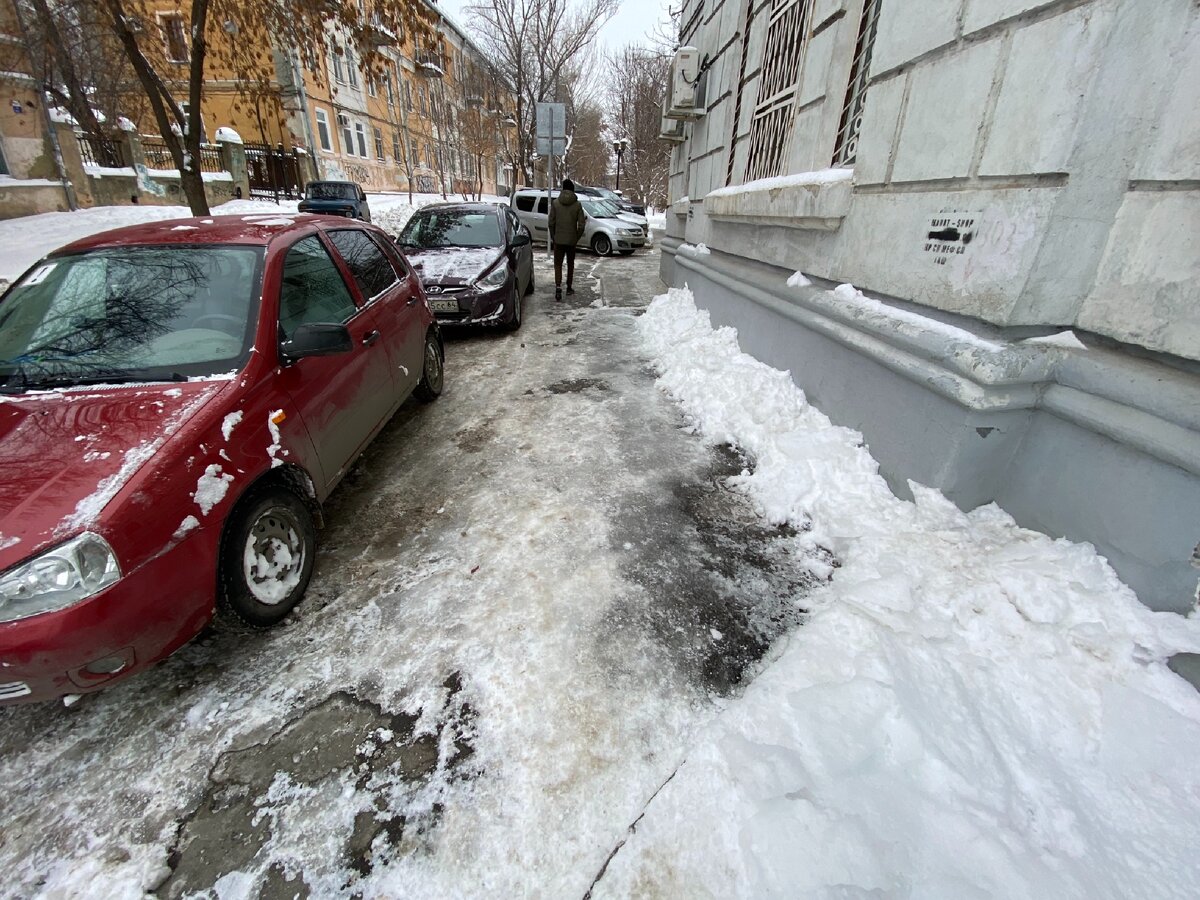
{"x":302,"y":93}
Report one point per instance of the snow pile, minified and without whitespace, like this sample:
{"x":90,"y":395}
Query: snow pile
{"x":227,"y":135}
{"x":972,"y":710}
{"x":694,"y":249}
{"x":798,"y":279}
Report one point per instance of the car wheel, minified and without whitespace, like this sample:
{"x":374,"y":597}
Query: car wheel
{"x":625,"y":252}
{"x":602,"y":245}
{"x":514,"y":321}
{"x":266,"y":558}
{"x":429,"y":388}
{"x":529,"y":287}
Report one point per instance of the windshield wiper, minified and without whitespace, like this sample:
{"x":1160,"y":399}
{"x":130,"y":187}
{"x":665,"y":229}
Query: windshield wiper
{"x":84,"y":380}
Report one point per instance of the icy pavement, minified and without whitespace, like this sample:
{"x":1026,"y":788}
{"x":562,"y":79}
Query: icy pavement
{"x":562,"y":641}
{"x":529,"y":596}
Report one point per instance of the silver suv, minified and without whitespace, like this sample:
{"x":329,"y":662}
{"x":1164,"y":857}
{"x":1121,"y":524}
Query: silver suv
{"x":604,"y":232}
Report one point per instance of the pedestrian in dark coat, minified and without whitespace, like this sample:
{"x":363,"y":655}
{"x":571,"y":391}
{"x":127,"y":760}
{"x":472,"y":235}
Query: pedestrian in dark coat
{"x":567,"y":222}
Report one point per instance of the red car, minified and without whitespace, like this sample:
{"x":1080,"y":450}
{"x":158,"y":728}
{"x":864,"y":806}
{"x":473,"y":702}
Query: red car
{"x":176,"y":402}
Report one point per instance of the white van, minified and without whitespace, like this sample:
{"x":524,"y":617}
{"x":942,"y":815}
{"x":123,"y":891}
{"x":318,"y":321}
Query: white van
{"x":603,"y":234}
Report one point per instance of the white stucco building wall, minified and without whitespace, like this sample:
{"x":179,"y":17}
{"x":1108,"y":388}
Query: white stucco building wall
{"x":1019,"y":167}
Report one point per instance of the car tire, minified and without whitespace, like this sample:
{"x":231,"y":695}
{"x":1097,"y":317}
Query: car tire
{"x":515,"y":321}
{"x":267,"y":555}
{"x":601,"y":245}
{"x":429,"y":388}
{"x":625,"y":252}
{"x":529,"y":287}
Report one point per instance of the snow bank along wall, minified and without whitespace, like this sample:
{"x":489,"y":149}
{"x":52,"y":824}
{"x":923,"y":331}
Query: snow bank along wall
{"x":1020,"y":168}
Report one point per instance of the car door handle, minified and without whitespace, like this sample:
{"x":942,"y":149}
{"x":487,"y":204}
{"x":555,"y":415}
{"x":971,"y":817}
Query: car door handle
{"x":369,"y":338}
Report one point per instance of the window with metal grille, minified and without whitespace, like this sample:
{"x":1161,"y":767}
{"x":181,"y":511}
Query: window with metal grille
{"x":846,"y":149}
{"x":774,"y":112}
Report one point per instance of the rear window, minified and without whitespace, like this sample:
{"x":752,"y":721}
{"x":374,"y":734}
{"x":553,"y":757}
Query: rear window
{"x":331,"y":190}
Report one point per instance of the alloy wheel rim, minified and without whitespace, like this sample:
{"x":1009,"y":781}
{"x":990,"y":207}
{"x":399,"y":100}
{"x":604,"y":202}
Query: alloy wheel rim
{"x":433,"y":367}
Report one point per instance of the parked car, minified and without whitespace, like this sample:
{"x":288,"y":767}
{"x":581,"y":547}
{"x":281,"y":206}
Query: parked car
{"x":633,"y":218}
{"x":475,"y":261}
{"x":336,"y":198}
{"x":603,"y":234}
{"x":614,"y":197}
{"x":177,"y":400}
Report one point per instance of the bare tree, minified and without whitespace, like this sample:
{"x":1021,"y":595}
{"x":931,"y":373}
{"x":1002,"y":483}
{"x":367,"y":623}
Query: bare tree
{"x":75,"y":61}
{"x":638,"y":78}
{"x":532,"y":44}
{"x":169,"y":53}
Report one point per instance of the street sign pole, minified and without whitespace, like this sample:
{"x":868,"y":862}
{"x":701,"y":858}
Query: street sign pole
{"x":551,"y":142}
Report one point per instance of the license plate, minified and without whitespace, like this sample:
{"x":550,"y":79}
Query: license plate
{"x":444,"y":305}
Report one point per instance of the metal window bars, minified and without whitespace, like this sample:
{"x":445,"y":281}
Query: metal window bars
{"x":774,"y":111}
{"x":846,"y":149}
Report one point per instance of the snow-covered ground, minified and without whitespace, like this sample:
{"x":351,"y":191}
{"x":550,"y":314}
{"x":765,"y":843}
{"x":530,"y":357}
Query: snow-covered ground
{"x":971,"y":710}
{"x":523,"y":640}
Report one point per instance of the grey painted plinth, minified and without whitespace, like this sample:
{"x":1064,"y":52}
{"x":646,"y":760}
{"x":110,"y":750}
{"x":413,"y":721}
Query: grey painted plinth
{"x":1094,"y":445}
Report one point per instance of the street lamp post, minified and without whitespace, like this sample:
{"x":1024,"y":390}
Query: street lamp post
{"x":619,"y":149}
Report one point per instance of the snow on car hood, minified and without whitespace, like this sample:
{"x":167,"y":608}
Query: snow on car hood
{"x":68,"y":453}
{"x":452,"y":264}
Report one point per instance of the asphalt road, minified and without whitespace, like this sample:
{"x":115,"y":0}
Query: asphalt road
{"x":528,"y":596}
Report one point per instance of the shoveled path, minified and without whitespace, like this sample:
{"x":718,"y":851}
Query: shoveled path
{"x":529,"y":595}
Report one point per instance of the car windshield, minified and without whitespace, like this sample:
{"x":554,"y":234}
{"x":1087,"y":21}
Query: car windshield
{"x":608,"y":195}
{"x":452,"y":228}
{"x":612,"y":208}
{"x":331,"y":190}
{"x":597,"y":208}
{"x":130,"y":314}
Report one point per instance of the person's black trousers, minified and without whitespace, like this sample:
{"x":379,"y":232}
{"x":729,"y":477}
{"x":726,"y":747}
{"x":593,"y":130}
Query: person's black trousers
{"x":561,"y":250}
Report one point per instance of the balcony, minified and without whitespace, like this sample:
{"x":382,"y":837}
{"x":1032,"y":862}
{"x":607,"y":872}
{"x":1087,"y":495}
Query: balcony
{"x":429,"y":62}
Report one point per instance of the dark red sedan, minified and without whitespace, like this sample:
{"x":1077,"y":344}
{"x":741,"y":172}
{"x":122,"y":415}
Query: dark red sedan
{"x":176,"y":402}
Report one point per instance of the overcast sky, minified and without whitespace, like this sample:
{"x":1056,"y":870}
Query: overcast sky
{"x":631,"y":24}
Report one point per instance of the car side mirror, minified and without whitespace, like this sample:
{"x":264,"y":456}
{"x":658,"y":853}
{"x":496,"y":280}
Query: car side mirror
{"x":316,"y":339}
{"x":522,"y":239}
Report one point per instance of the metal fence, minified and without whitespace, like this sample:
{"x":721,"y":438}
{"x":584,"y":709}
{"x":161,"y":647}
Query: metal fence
{"x":101,"y":151}
{"x":158,"y":155}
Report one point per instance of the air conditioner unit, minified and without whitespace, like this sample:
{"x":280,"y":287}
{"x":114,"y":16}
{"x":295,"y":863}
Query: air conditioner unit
{"x":671,"y":129}
{"x":685,"y":95}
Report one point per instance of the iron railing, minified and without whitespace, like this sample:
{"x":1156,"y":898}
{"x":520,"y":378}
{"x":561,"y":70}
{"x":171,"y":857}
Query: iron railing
{"x":101,"y":151}
{"x":158,"y":155}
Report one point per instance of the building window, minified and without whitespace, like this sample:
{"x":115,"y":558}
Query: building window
{"x":396,"y":145}
{"x":415,"y":154}
{"x":323,"y":130}
{"x":351,"y":68}
{"x":361,"y":132}
{"x":378,"y":144}
{"x":174,"y":36}
{"x":347,"y":134}
{"x":846,"y":149}
{"x":387,"y":84}
{"x":339,"y":74}
{"x":370,"y":79}
{"x":774,"y":113}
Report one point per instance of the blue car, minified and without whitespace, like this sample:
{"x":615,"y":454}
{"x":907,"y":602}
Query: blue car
{"x":336,"y":198}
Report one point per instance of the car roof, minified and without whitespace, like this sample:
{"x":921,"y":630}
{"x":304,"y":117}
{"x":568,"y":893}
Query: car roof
{"x":256,"y":228}
{"x":465,"y":206}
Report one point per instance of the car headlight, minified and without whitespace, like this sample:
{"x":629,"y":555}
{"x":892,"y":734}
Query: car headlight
{"x":61,"y":577}
{"x":493,"y":279}
{"x":631,"y":231}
